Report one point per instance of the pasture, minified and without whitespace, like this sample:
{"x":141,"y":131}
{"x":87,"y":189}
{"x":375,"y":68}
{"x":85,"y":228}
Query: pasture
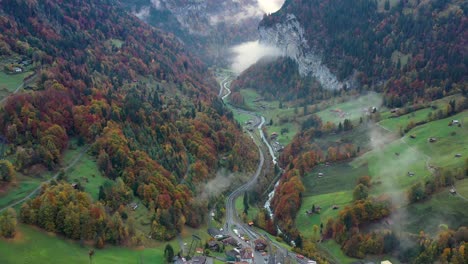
{"x":32,"y":245}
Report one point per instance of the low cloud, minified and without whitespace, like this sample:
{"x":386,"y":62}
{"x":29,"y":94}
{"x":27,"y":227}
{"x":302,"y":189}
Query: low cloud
{"x":143,"y":14}
{"x":249,"y":53}
{"x":270,"y":6}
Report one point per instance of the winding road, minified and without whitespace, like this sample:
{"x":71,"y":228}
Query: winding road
{"x":232,"y":219}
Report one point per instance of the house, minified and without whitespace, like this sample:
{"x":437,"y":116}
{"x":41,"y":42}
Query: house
{"x":412,"y":136}
{"x":213,"y":232}
{"x":17,"y":69}
{"x":453,"y":191}
{"x":432,"y":140}
{"x":320,"y":174}
{"x":230,"y":241}
{"x":213,"y":246}
{"x":260,"y":244}
{"x":385,"y":262}
{"x":199,"y":250}
{"x":232,"y":255}
{"x":251,"y":223}
{"x":410,"y":174}
{"x":455,"y":122}
{"x":458,"y":155}
{"x":246,"y":254}
{"x":198,"y":260}
{"x":274,"y":135}
{"x":133,"y":206}
{"x":394,"y":110}
{"x":74,"y":186}
{"x":335,"y":207}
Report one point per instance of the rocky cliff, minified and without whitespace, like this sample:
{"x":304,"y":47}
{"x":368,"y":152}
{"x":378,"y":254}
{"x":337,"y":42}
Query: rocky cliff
{"x":288,"y":35}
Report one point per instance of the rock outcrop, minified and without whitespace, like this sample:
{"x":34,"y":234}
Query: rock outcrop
{"x":289,"y":36}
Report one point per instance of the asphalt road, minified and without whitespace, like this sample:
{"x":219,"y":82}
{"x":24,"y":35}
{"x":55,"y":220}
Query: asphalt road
{"x":232,"y":219}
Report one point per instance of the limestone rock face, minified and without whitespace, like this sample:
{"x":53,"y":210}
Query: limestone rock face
{"x":289,"y":36}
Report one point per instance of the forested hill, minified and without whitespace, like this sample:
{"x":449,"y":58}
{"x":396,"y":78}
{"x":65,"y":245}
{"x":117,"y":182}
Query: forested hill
{"x":417,"y":49}
{"x":147,"y":108}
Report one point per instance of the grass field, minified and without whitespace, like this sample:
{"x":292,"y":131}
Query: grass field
{"x":305,"y":222}
{"x":12,"y":81}
{"x":441,"y":208}
{"x":252,"y":212}
{"x":9,"y":82}
{"x":353,"y":109}
{"x":394,"y":124}
{"x":283,"y":119}
{"x":34,"y":246}
{"x":26,"y":184}
{"x":334,"y":249}
{"x":87,"y":174}
{"x":337,"y":177}
{"x":451,"y":140}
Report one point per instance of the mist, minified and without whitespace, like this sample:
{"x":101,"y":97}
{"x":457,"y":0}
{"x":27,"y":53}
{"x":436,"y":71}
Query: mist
{"x":270,"y":6}
{"x":249,"y":53}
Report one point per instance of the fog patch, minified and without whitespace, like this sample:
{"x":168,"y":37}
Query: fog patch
{"x":143,"y":14}
{"x":270,"y":6}
{"x":249,"y":53}
{"x":156,"y":4}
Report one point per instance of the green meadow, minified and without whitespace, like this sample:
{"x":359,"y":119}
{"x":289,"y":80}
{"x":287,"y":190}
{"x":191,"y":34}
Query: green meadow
{"x":32,"y":245}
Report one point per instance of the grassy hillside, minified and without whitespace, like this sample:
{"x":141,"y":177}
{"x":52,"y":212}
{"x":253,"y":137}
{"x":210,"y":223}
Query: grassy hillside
{"x":34,"y":246}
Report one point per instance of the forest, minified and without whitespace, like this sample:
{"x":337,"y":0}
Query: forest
{"x":147,"y":109}
{"x":412,"y":51}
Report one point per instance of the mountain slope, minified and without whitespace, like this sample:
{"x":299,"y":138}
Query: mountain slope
{"x":406,"y":49}
{"x":148,"y":108}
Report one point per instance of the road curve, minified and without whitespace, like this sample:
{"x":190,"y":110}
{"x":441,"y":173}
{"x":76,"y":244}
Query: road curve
{"x":232,"y":218}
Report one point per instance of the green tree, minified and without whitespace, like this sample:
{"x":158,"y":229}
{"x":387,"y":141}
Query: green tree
{"x":7,"y":172}
{"x":169,"y":253}
{"x":361,"y":192}
{"x":246,"y":203}
{"x":8,"y":223}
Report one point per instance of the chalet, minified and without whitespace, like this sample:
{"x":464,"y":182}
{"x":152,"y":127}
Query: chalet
{"x":260,"y":244}
{"x":274,"y":136}
{"x":133,"y":206}
{"x":453,"y":191}
{"x":432,"y":140}
{"x":251,"y":223}
{"x":230,"y":241}
{"x":17,"y":69}
{"x":246,"y":254}
{"x":213,"y":232}
{"x":198,"y":260}
{"x":232,"y":255}
{"x":410,"y":174}
{"x":335,"y":207}
{"x":213,"y":246}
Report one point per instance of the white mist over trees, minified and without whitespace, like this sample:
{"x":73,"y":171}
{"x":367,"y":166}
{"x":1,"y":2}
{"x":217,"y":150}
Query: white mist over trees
{"x":249,"y":53}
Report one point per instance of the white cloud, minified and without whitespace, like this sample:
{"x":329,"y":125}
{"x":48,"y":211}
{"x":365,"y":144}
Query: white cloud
{"x":270,"y":6}
{"x":143,"y":13}
{"x":249,"y":53}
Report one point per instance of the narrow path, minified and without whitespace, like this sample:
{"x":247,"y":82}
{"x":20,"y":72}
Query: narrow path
{"x":34,"y":192}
